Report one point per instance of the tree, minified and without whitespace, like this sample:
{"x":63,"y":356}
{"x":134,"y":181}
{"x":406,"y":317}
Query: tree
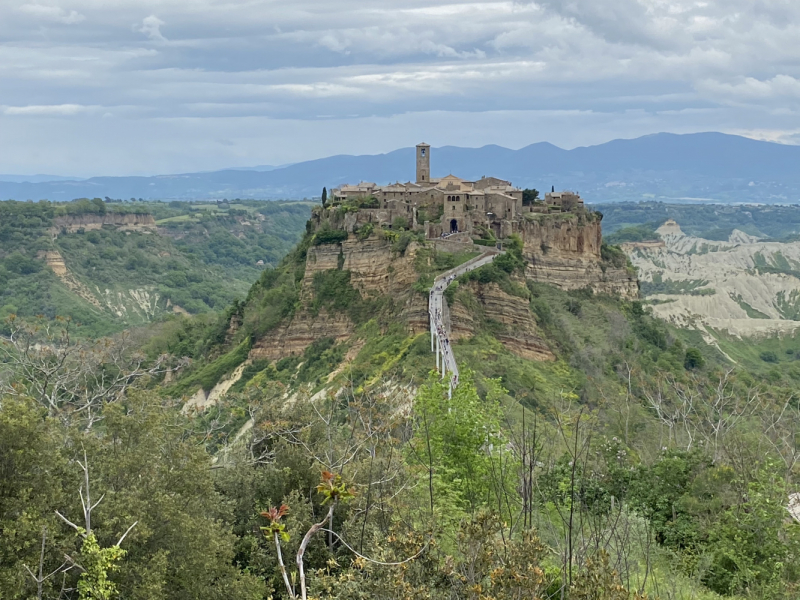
{"x":333,"y":490}
{"x":463,"y":438}
{"x":324,"y":197}
{"x":529,"y":196}
{"x":693,"y":359}
{"x":71,"y":378}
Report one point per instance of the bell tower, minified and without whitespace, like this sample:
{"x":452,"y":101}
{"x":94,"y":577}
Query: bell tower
{"x":423,"y":163}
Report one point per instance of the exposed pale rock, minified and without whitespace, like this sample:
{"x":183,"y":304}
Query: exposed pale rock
{"x":88,"y":222}
{"x":566,"y":253}
{"x":728,"y":268}
{"x":520,"y":332}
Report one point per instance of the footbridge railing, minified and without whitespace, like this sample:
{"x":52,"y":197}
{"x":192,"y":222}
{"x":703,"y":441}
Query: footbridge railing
{"x":440,"y":334}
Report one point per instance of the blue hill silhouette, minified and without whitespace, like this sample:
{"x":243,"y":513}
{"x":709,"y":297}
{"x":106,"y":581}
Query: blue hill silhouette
{"x":711,"y":166}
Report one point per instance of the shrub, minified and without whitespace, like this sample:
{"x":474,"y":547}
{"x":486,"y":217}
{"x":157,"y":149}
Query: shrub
{"x":613,"y":255}
{"x":693,"y":359}
{"x":769,"y":356}
{"x":329,"y":236}
{"x":400,"y":224}
{"x":364,"y":231}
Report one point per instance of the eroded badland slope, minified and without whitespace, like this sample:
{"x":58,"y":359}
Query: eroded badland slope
{"x":745,"y":286}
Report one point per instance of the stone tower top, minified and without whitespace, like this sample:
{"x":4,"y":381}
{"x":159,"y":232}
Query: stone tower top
{"x":423,"y":163}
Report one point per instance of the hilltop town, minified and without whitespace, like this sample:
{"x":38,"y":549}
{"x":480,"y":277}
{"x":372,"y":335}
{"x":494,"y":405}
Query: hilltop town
{"x":449,"y":205}
{"x":561,"y":237}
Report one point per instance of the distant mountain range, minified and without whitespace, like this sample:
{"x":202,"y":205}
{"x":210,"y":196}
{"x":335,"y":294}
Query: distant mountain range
{"x":701,"y":166}
{"x":35,"y":178}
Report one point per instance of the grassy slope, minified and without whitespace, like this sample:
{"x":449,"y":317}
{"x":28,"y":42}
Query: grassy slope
{"x":596,"y":340}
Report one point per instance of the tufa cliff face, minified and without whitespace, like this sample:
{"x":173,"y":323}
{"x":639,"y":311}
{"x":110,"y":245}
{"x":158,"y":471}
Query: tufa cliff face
{"x":374,"y":266}
{"x":562,"y":250}
{"x":517,"y":329}
{"x":375,"y":270}
{"x":566,"y":253}
{"x":133,"y":222}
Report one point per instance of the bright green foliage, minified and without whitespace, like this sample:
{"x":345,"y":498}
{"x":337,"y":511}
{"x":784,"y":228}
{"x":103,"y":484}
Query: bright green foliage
{"x":98,"y":563}
{"x":334,"y":489}
{"x":275,"y":527}
{"x":461,"y":437}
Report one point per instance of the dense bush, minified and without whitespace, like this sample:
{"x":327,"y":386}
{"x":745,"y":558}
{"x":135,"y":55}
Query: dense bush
{"x":329,"y":236}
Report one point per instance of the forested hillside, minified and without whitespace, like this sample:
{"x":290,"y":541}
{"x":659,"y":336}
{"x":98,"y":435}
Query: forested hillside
{"x":709,"y":221}
{"x":602,"y":454}
{"x":110,"y":266}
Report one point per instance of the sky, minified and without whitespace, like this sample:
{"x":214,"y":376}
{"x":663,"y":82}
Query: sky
{"x":135,"y":87}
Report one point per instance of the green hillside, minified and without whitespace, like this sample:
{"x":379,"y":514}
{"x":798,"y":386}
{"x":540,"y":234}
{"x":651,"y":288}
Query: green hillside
{"x":633,"y":440}
{"x":194,"y":258}
{"x":629,"y":460}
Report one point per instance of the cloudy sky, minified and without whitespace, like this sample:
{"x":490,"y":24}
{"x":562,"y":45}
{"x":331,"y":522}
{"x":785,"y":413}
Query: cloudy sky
{"x":90,"y":87}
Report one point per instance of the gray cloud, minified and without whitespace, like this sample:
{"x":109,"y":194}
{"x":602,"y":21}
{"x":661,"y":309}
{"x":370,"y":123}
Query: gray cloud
{"x":146,"y":86}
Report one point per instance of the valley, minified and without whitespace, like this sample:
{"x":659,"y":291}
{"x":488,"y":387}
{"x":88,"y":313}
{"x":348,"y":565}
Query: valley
{"x":113,"y":266}
{"x":313,"y":393}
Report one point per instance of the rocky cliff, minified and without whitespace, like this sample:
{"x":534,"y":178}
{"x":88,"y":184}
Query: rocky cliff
{"x":511,"y":316}
{"x":378,"y":270}
{"x":565,"y":251}
{"x":375,"y":270}
{"x":87,"y":222}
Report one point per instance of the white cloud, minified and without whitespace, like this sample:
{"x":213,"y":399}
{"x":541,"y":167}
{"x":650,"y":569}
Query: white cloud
{"x":151,"y":27}
{"x":675,"y":64}
{"x":47,"y":109}
{"x":52,"y":13}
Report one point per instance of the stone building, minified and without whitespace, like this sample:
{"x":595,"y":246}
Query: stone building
{"x":448,"y":204}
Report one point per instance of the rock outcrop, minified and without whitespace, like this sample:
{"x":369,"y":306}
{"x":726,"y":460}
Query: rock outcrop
{"x":373,"y":265}
{"x":745,"y":286}
{"x":513,"y":314}
{"x":88,"y":222}
{"x":375,"y":270}
{"x":297,"y":334}
{"x":565,"y":251}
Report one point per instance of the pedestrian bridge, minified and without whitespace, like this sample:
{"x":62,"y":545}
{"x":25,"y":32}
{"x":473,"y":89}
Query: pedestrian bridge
{"x":440,"y":333}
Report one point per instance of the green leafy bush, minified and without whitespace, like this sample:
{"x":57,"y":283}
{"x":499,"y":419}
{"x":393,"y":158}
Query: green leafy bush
{"x":329,"y":236}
